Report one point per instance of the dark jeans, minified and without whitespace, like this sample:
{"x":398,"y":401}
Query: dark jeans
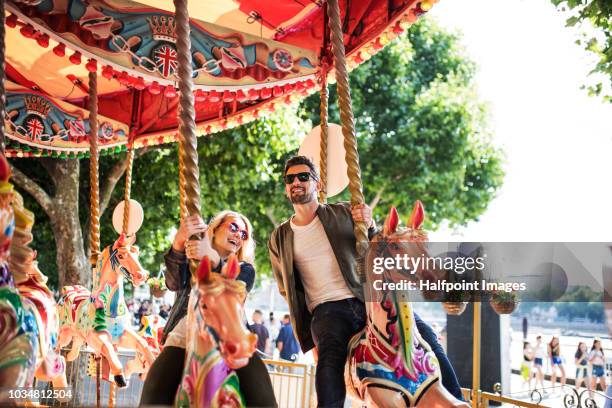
{"x":165,"y":375}
{"x":333,"y":325}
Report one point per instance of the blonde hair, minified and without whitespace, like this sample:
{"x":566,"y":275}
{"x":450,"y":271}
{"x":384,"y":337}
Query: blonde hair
{"x":247,"y":250}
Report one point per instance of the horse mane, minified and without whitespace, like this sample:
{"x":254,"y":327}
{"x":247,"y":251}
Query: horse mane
{"x":22,"y":259}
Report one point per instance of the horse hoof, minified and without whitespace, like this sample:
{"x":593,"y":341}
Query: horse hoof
{"x":120,"y":381}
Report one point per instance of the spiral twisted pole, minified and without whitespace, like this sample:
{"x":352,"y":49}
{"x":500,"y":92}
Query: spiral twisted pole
{"x":128,"y":189}
{"x":186,"y":113}
{"x":324,"y":134}
{"x":2,"y":77}
{"x":94,"y":189}
{"x":182,"y":207}
{"x":348,"y":124}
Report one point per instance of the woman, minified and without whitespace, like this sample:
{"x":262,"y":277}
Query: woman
{"x":538,"y":362}
{"x":228,"y":232}
{"x":526,"y":364}
{"x":554,"y":354}
{"x":582,"y":366}
{"x":597,"y":360}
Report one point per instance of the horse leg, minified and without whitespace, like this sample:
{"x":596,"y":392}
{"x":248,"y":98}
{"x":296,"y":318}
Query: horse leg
{"x":436,"y":396}
{"x":102,"y":344}
{"x":130,"y":339}
{"x":77,"y":342}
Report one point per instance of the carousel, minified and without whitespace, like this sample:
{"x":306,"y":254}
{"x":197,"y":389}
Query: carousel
{"x":88,"y":78}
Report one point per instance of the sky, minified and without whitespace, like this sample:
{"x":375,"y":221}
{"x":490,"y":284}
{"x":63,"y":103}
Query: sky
{"x":557,"y":139}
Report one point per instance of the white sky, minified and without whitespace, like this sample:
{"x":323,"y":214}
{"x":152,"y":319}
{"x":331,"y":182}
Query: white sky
{"x":557,"y":139}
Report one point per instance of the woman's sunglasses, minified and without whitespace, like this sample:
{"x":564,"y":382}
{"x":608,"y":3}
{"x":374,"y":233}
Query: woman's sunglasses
{"x":234,"y":228}
{"x":303,"y":177}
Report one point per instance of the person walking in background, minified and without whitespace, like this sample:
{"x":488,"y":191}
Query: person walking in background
{"x":554,"y":354}
{"x":582,"y":366}
{"x":286,"y":343}
{"x":538,"y":362}
{"x":598,"y":362}
{"x":527,"y":363}
{"x":263,"y":337}
{"x":273,"y":325}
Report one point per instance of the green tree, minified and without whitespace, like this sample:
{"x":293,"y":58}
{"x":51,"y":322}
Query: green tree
{"x":596,"y":17}
{"x":421,"y":129}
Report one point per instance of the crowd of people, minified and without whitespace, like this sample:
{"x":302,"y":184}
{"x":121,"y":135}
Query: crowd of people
{"x":590,"y":364}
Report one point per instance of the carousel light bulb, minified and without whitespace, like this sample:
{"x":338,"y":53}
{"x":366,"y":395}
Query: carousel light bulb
{"x":214,"y":96}
{"x":107,"y":72}
{"x":170,"y":92}
{"x":384,"y":39}
{"x":277,"y":91}
{"x":43,"y":40}
{"x":426,"y":5}
{"x":266,"y":93}
{"x":92,"y":65}
{"x":139,"y":84}
{"x":154,"y":88}
{"x":11,"y":21}
{"x":75,"y":58}
{"x":228,"y":96}
{"x":241,"y":96}
{"x":27,"y":31}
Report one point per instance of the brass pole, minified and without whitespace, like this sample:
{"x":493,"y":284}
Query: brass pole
{"x":187,"y":128}
{"x":128,"y":188}
{"x":324,"y":134}
{"x":348,"y":126}
{"x":94,"y":194}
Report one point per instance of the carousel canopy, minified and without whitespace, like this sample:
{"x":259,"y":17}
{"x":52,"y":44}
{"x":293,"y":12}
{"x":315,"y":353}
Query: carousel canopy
{"x":248,"y":57}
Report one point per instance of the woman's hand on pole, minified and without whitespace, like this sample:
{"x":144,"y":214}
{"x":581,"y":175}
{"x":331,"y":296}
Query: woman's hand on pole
{"x":198,"y":249}
{"x":190,"y":226}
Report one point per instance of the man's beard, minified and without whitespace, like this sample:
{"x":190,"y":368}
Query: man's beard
{"x":304,"y":198}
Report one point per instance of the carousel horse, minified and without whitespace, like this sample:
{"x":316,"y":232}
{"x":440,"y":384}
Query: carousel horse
{"x":32,"y":285}
{"x":152,"y":327}
{"x":389,"y":364}
{"x":100,"y":318}
{"x":18,"y":330}
{"x":216,"y":303}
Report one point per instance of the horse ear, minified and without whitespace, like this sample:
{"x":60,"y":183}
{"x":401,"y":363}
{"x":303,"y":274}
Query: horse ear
{"x":5,"y":169}
{"x":231,"y":268}
{"x":126,"y":240}
{"x":391,"y":222}
{"x":418,"y":215}
{"x":204,"y":270}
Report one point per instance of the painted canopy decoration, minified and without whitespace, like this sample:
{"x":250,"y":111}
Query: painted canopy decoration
{"x":248,"y":57}
{"x":38,"y":121}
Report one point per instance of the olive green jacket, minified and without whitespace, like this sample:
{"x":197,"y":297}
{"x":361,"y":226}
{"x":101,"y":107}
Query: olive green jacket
{"x":338,"y":225}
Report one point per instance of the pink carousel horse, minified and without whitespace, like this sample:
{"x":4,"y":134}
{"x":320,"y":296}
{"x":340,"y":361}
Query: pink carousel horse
{"x":389,"y":364}
{"x":32,"y":286}
{"x":18,"y":331}
{"x":100,"y":318}
{"x":216,"y":303}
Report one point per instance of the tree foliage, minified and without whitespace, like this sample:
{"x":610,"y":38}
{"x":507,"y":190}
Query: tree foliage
{"x":421,"y":129}
{"x":597,"y":39}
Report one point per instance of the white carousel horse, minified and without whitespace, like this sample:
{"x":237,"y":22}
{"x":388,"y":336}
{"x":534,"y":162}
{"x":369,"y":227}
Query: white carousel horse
{"x":100,"y":318}
{"x":389,"y":364}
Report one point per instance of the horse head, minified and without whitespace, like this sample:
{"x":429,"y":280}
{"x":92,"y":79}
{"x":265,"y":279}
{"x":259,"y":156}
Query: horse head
{"x":221,"y":304}
{"x":124,"y":259}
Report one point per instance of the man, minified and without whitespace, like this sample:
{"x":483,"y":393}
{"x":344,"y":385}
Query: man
{"x":273,"y":326}
{"x":286,"y":343}
{"x":313,"y":260}
{"x":263,"y":337}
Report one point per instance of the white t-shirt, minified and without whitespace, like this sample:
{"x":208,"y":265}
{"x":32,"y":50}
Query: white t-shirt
{"x":539,"y":352}
{"x":315,"y":260}
{"x":178,"y":336}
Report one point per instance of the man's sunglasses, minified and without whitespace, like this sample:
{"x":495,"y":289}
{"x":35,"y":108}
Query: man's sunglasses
{"x":234,"y":228}
{"x":303,"y":177}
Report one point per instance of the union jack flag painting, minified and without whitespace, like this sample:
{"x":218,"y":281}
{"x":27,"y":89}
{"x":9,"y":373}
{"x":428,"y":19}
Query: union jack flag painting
{"x":165,"y":57}
{"x":35,"y":128}
{"x":76,"y":129}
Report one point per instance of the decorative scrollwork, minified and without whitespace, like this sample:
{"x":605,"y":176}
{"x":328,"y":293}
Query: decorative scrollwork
{"x":572,"y":399}
{"x":535,"y":396}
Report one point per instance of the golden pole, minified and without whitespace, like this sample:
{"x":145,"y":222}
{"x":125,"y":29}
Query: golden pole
{"x":476,"y":355}
{"x":324,"y":134}
{"x":348,"y":127}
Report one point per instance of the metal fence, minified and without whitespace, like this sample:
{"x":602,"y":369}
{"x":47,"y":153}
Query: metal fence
{"x":293,"y":383}
{"x":84,"y":385}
